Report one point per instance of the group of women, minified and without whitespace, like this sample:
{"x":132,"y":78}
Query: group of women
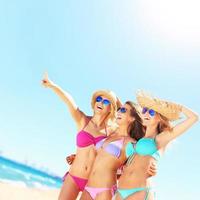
{"x":116,"y":136}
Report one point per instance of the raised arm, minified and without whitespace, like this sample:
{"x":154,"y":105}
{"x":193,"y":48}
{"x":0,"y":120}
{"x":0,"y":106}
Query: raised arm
{"x":165,"y":137}
{"x":78,"y":115}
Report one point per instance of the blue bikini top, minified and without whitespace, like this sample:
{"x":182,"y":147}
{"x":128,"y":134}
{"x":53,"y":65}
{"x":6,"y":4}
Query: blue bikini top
{"x":144,"y":147}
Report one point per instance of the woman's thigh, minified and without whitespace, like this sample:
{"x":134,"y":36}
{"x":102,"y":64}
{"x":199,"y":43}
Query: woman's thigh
{"x":69,"y":189}
{"x":85,"y":196}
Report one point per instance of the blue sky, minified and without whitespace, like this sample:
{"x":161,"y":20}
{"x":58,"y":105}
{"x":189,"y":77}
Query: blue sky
{"x":90,"y":45}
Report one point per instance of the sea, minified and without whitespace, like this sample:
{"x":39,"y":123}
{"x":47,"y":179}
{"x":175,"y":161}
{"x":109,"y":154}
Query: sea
{"x":21,"y":174}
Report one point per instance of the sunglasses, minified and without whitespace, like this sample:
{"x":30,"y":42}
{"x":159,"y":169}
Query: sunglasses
{"x":122,"y":110}
{"x":105,"y":102}
{"x":151,"y":111}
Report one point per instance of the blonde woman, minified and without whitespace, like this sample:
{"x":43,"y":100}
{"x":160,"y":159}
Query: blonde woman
{"x":91,"y":129}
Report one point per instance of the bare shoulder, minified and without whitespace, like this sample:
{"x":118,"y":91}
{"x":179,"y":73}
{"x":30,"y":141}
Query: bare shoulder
{"x":83,"y":121}
{"x":163,"y":138}
{"x":128,"y":140}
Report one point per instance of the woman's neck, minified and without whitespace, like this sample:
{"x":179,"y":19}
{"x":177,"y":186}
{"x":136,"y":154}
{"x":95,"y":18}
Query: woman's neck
{"x":99,"y":120}
{"x":122,"y":130}
{"x":151,"y":132}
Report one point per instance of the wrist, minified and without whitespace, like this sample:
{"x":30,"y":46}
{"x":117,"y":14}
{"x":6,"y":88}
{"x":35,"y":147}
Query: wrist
{"x":52,"y":86}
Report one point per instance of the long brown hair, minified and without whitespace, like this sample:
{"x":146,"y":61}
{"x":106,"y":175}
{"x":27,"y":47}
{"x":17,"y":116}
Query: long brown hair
{"x":136,"y":129}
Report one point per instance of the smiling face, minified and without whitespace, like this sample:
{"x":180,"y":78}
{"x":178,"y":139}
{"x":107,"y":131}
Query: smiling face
{"x":150,"y":117}
{"x":102,"y":105}
{"x":124,"y":115}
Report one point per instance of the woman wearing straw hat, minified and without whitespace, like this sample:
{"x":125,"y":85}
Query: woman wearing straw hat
{"x":111,"y":154}
{"x":157,"y":114}
{"x":90,"y":131}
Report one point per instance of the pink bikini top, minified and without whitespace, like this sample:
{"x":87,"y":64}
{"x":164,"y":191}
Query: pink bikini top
{"x":84,"y":138}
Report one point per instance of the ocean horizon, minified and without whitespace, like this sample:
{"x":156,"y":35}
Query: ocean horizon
{"x":25,"y":175}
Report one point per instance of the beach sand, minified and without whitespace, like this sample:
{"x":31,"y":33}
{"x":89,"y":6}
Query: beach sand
{"x":14,"y":192}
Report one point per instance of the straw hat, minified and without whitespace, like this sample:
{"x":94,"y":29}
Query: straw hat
{"x":110,"y":95}
{"x":167,"y":109}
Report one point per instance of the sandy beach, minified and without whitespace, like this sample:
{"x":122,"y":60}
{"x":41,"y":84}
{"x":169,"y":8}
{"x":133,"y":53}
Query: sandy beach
{"x":14,"y":192}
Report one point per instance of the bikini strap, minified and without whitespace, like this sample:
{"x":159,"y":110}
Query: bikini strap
{"x":124,"y":139}
{"x":155,"y":137}
{"x":87,"y":122}
{"x":147,"y":193}
{"x":130,"y":159}
{"x":155,"y":140}
{"x":106,"y":130}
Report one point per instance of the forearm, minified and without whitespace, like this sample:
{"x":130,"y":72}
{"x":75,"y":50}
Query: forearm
{"x":190,"y":114}
{"x":191,"y":118}
{"x":180,"y":128}
{"x":66,"y":97}
{"x":69,"y":101}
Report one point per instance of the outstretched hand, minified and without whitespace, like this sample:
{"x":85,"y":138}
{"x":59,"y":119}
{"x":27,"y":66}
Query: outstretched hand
{"x":46,"y":82}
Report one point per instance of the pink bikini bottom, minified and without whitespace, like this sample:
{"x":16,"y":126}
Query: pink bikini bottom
{"x":95,"y":191}
{"x":80,"y":182}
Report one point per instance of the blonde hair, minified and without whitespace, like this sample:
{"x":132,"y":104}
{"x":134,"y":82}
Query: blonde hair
{"x":111,"y":97}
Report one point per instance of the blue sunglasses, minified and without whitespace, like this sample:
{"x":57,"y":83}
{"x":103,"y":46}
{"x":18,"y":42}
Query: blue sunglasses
{"x":151,"y":111}
{"x":106,"y":102}
{"x":122,"y":110}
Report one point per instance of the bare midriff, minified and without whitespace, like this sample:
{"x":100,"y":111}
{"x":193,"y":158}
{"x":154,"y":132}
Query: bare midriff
{"x":83,"y":162}
{"x":104,"y":170}
{"x":135,"y":174}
